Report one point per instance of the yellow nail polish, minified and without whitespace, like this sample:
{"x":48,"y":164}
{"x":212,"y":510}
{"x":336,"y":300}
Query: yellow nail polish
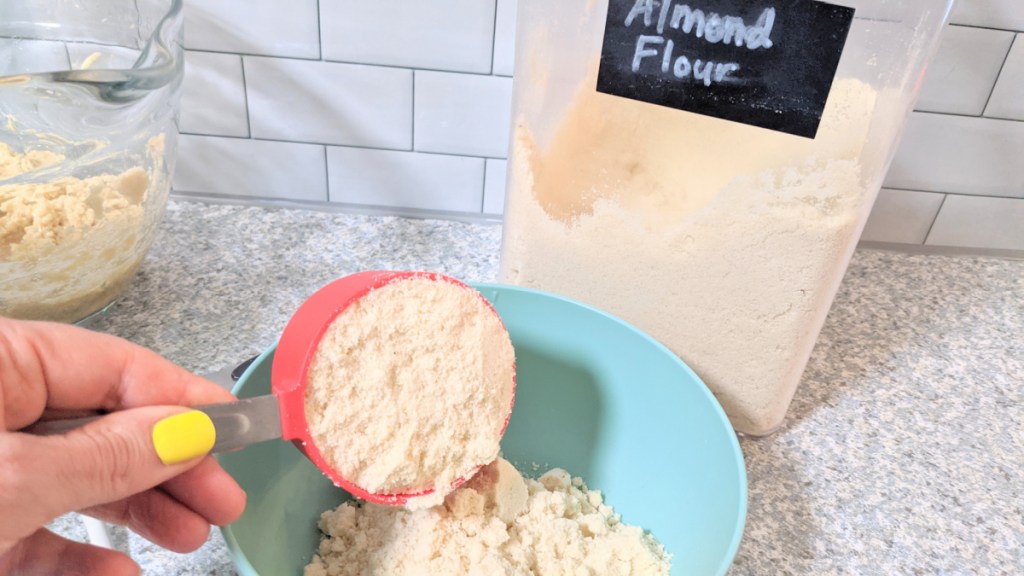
{"x":184,"y":436}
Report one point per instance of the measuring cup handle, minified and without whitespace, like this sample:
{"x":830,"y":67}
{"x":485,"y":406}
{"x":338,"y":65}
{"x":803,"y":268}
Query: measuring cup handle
{"x":238,"y":424}
{"x":245,"y":422}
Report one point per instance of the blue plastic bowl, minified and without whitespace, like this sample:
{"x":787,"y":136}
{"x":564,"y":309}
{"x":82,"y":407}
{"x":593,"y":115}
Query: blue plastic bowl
{"x":594,"y":395}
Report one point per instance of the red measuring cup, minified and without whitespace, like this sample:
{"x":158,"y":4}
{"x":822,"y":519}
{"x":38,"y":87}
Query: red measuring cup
{"x":295,"y":351}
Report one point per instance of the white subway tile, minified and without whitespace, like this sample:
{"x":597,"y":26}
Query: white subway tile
{"x":958,"y":154}
{"x":1008,"y":96}
{"x":1002,"y":14}
{"x":239,"y":167}
{"x":113,"y":57}
{"x":31,"y":56}
{"x":965,"y":68}
{"x":494,"y":186}
{"x":505,"y":38}
{"x":973,"y":222}
{"x":303,"y":101}
{"x":902,"y":216}
{"x":267,"y":27}
{"x":463,"y":113}
{"x":405,"y":179}
{"x":213,"y":95}
{"x":439,"y":34}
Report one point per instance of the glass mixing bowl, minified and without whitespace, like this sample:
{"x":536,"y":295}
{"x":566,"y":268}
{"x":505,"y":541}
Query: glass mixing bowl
{"x":89,"y":94}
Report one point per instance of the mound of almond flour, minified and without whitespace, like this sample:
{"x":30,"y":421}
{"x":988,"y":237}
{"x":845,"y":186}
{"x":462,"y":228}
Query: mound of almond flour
{"x":496,"y":524}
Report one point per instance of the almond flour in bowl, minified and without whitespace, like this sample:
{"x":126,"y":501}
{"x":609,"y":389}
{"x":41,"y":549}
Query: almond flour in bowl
{"x":497,"y":523}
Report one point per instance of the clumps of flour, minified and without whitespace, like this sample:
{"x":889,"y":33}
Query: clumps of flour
{"x":14,"y":164}
{"x":497,"y":523}
{"x":410,"y":388}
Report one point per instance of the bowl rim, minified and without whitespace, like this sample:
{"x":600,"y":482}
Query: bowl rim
{"x":160,"y":61}
{"x":245,"y":568}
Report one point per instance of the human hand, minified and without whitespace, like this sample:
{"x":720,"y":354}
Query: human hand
{"x":113,"y":468}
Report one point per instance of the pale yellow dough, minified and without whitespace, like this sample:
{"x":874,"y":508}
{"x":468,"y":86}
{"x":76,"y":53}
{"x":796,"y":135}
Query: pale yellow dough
{"x":68,"y":245}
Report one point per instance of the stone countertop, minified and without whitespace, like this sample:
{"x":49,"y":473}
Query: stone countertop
{"x":903,"y":451}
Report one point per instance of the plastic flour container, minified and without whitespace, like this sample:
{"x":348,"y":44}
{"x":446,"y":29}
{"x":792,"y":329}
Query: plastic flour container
{"x":704,"y":169}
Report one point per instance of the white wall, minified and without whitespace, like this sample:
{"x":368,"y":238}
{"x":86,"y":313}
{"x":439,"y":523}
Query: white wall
{"x":403,"y":106}
{"x":958,"y":177}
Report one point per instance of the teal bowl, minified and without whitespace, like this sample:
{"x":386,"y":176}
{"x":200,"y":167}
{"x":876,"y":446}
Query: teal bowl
{"x":594,"y":396}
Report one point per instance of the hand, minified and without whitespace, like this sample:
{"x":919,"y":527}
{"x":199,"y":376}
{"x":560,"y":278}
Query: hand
{"x":110,"y":468}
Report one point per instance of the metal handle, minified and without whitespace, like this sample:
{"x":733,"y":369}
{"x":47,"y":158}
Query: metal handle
{"x":238,"y":424}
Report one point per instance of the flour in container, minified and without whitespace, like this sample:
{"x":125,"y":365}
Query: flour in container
{"x":724,"y":241}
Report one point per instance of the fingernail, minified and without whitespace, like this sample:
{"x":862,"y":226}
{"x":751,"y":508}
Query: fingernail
{"x":184,"y":436}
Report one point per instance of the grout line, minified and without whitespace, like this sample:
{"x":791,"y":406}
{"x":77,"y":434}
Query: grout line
{"x":977,"y":117}
{"x":978,"y":27}
{"x":353,"y":146}
{"x":319,"y":34}
{"x":911,"y":190}
{"x":1004,"y":118}
{"x":336,"y":207}
{"x":245,"y":93}
{"x":483,"y":190}
{"x":412,"y":145}
{"x":932,"y":225}
{"x":67,"y":54}
{"x":349,"y":62}
{"x":947,"y":193}
{"x":327,"y":175}
{"x":998,"y":76}
{"x":494,"y":35}
{"x":254,"y":54}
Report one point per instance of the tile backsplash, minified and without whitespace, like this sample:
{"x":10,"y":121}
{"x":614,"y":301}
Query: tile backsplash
{"x":309,"y":101}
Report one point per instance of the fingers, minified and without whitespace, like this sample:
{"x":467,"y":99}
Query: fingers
{"x":110,"y":459}
{"x":178,"y":514}
{"x":157,"y":517}
{"x":209,"y":491}
{"x":44,"y":553}
{"x":47,"y":365}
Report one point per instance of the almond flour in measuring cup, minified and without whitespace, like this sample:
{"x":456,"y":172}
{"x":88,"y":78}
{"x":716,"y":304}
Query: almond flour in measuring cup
{"x":410,"y":388}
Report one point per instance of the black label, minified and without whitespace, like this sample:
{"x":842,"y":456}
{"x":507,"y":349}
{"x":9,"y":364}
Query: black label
{"x":762,"y":63}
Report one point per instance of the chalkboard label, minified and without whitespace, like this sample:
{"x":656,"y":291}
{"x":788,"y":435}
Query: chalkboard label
{"x":762,"y":63}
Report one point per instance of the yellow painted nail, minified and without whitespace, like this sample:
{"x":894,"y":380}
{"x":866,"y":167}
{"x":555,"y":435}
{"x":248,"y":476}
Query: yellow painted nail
{"x":184,"y":436}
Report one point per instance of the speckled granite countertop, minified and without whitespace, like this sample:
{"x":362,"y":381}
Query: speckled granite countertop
{"x":903,"y":452}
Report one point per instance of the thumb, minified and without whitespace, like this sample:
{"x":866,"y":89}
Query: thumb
{"x":116,"y":456}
